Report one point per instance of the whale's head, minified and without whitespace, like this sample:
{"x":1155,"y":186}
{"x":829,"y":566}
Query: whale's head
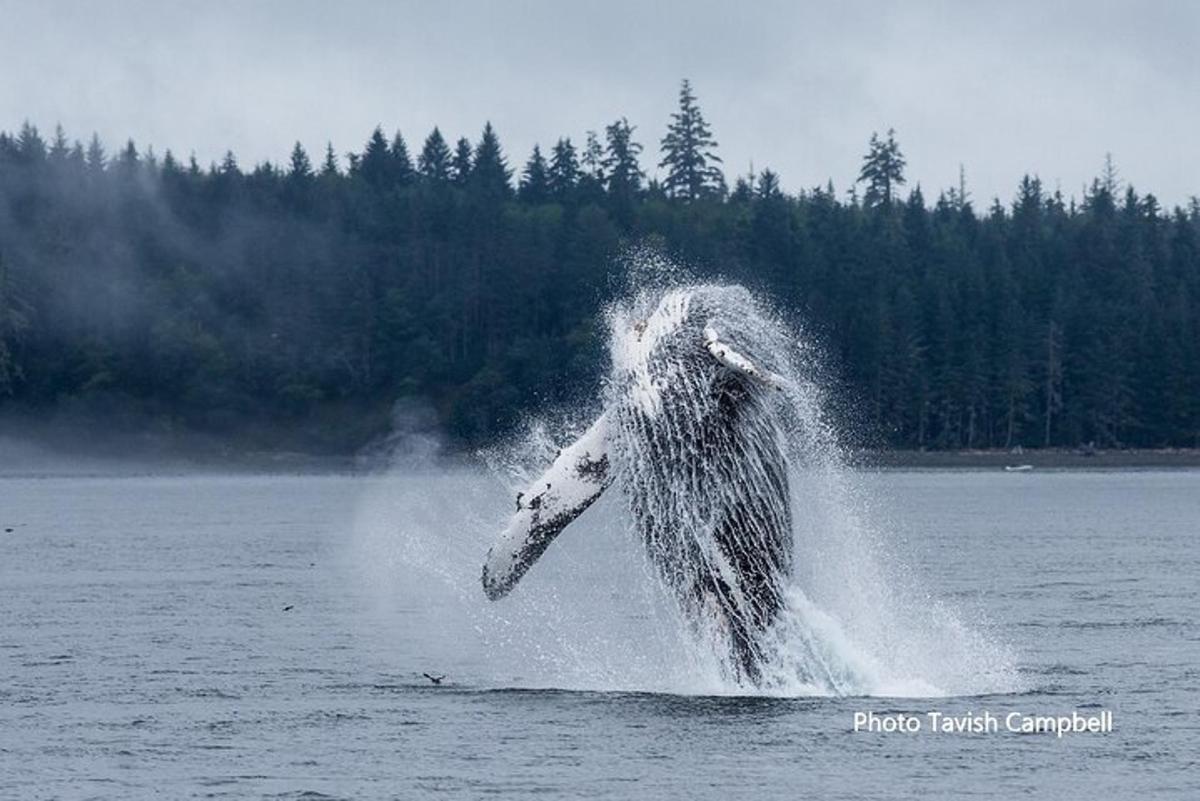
{"x":647,"y":347}
{"x":689,"y":339}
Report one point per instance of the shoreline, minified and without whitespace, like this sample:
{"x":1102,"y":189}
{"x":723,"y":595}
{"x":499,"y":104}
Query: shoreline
{"x":36,"y":455}
{"x":1040,"y":458}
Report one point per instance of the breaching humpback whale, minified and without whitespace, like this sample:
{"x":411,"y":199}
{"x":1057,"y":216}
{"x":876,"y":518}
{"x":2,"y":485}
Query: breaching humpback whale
{"x":691,"y":434}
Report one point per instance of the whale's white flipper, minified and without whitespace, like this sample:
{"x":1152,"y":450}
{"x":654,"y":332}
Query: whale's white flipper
{"x":737,"y":362}
{"x":576,"y":479}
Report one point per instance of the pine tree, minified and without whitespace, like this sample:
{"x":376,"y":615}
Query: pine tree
{"x":76,"y":157}
{"x":1110,"y":179}
{"x":31,"y":148}
{"x":743,"y":188}
{"x":299,"y":179}
{"x":593,"y":157}
{"x":127,"y":164}
{"x":882,"y":170}
{"x":689,"y":152}
{"x":768,"y":185}
{"x":402,"y":167}
{"x":434,"y":161}
{"x":460,"y":167}
{"x":300,"y":167}
{"x":96,"y":159}
{"x":564,"y":170}
{"x":329,"y":167}
{"x":59,"y":148}
{"x":375,"y":165}
{"x":535,"y":185}
{"x":620,"y":164}
{"x":490,"y":174}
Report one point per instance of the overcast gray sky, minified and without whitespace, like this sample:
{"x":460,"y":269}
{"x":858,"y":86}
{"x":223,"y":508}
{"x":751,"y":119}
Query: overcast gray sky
{"x":1001,"y":87}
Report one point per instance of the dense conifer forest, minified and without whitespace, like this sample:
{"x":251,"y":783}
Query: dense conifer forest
{"x":293,"y":305}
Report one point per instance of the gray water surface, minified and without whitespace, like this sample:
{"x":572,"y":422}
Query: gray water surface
{"x":263,"y":636}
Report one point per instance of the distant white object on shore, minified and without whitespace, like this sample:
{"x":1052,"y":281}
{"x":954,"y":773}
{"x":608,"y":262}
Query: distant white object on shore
{"x":1017,"y":468}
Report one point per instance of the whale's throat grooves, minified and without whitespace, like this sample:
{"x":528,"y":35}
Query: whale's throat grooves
{"x":700,"y":457}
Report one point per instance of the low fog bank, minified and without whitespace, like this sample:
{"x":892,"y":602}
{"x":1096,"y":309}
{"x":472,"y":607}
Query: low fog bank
{"x":61,"y":445}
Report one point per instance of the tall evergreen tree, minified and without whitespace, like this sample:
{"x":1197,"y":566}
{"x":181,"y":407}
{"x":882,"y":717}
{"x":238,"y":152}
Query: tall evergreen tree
{"x":127,"y":164}
{"x":689,"y":152}
{"x":402,"y":166}
{"x":768,"y":185}
{"x":460,"y":167}
{"x":623,"y":175}
{"x":593,"y":157}
{"x":434,"y":161}
{"x":490,"y":174}
{"x":59,"y":147}
{"x":535,"y":183}
{"x":30,"y":146}
{"x":300,"y":167}
{"x":96,"y":159}
{"x":329,"y":167}
{"x":564,"y":170}
{"x":299,"y":179}
{"x":375,"y":165}
{"x":882,"y":170}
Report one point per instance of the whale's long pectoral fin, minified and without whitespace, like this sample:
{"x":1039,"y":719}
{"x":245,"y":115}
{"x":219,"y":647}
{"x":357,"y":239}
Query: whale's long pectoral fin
{"x":575,"y":480}
{"x":735,"y":361}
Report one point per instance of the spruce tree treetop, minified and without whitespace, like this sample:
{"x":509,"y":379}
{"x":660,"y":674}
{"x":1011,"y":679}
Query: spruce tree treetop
{"x":95,"y":155}
{"x":564,"y":170}
{"x":461,"y":164}
{"x":882,"y":170}
{"x":768,"y":185}
{"x":535,"y":185}
{"x":375,"y":166}
{"x":30,"y":146}
{"x":593,"y":157}
{"x":402,"y":167}
{"x":689,"y":152}
{"x":330,"y":166}
{"x":59,"y":147}
{"x":434,"y":161}
{"x":301,"y":167}
{"x":490,"y":174}
{"x":620,"y":164}
{"x":743,"y":189}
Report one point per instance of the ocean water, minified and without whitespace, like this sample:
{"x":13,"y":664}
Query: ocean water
{"x":247,"y":636}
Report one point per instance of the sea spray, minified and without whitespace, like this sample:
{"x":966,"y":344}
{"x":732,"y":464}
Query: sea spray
{"x":596,"y":614}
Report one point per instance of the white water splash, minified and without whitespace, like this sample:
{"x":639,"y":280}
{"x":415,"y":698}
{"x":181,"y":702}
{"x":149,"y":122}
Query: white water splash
{"x":596,"y":614}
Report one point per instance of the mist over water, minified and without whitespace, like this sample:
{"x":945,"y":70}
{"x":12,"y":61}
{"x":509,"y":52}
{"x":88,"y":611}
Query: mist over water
{"x":594,"y":614}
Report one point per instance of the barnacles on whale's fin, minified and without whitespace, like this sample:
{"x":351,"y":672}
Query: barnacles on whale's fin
{"x":578,"y":475}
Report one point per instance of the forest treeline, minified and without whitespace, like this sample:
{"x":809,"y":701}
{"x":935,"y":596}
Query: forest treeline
{"x":294,"y":304}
